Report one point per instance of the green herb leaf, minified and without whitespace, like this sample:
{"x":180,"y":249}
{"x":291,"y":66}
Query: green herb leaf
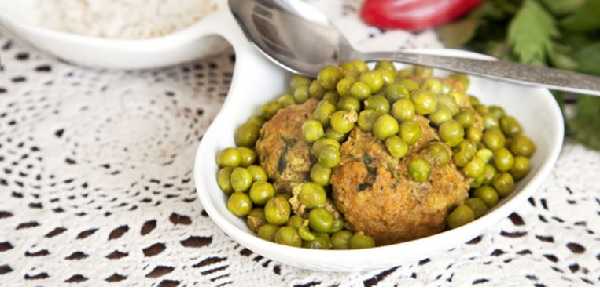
{"x":585,"y":125}
{"x":562,"y":7}
{"x":588,"y":59}
{"x":586,"y":18}
{"x":531,"y":32}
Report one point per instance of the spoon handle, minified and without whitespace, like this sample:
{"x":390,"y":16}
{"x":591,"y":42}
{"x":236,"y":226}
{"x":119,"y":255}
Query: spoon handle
{"x":500,"y":70}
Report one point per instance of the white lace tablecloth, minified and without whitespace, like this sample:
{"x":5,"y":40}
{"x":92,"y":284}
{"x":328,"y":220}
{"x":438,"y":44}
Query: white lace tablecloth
{"x":96,"y":188}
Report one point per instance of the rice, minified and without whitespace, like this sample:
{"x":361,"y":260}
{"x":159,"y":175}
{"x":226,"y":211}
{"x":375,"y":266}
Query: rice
{"x":125,"y":19}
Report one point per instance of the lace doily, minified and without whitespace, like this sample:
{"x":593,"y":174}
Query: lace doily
{"x":96,"y":188}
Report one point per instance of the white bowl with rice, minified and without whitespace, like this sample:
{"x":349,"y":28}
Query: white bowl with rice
{"x":122,"y":34}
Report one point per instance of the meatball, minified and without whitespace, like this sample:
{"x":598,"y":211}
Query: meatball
{"x":376,"y":195}
{"x":281,"y":148}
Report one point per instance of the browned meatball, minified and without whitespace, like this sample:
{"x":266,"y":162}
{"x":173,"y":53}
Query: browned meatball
{"x":376,"y":196}
{"x":281,"y":148}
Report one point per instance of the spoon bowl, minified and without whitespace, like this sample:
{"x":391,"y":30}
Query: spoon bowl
{"x":257,"y":80}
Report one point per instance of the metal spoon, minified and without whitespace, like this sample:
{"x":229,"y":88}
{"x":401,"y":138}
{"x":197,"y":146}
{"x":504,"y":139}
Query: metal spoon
{"x":300,"y":38}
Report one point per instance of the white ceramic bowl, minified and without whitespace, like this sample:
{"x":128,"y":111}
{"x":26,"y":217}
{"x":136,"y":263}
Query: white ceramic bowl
{"x":256,"y":81}
{"x":201,"y":39}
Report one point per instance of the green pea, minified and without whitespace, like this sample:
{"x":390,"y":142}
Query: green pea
{"x":229,"y":157}
{"x":286,"y":100}
{"x":312,"y":130}
{"x":295,"y":221}
{"x":410,"y":84}
{"x":247,"y":134}
{"x":323,"y":111}
{"x":338,"y":224}
{"x":384,"y":65}
{"x":258,"y":173}
{"x":320,"y":174}
{"x":484,"y":154}
{"x":300,"y":94}
{"x":437,"y":153}
{"x":496,"y":111}
{"x":489,"y":122}
{"x":343,"y":121}
{"x":373,"y":79}
{"x":489,"y":173}
{"x":334,"y":135}
{"x":277,"y":210}
{"x":466,"y":118}
{"x":520,"y":167}
{"x":425,"y":102}
{"x":255,"y":219}
{"x":403,"y":110}
{"x":329,"y":76}
{"x":348,"y":68}
{"x":361,"y":241}
{"x":419,"y":170}
{"x":306,"y":234}
{"x":247,"y":156}
{"x":360,"y":90}
{"x":312,"y":195}
{"x":460,"y":216}
{"x":378,"y":103}
{"x":298,"y":80}
{"x":385,"y":126}
{"x":494,"y":139}
{"x":239,"y":204}
{"x":478,"y":206}
{"x":448,"y":102}
{"x":521,"y":145}
{"x":343,"y":87}
{"x":240,"y":179}
{"x":474,"y":100}
{"x":396,"y":91}
{"x":488,"y":195}
{"x":433,"y":85}
{"x":474,"y":168}
{"x":510,"y":126}
{"x":287,"y":235}
{"x":474,"y":134}
{"x":367,"y":118}
{"x":452,"y":132}
{"x":388,"y":76}
{"x":341,"y":239}
{"x":360,"y":66}
{"x":269,"y":109}
{"x":315,"y":90}
{"x":503,"y":160}
{"x":465,"y":151}
{"x":321,"y":241}
{"x":323,"y":142}
{"x":481,"y":109}
{"x":329,"y":157}
{"x":396,"y":146}
{"x":440,"y":116}
{"x":423,"y":72}
{"x":320,"y":220}
{"x":504,"y":184}
{"x":410,"y":131}
{"x":348,"y":104}
{"x":223,"y":179}
{"x":261,"y":192}
{"x":267,"y":231}
{"x":331,"y":97}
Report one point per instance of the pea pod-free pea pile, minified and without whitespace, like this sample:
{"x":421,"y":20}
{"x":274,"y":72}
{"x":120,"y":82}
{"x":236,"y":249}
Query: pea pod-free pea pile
{"x":407,"y":127}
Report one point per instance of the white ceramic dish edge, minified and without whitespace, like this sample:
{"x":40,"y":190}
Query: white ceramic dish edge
{"x":201,"y":39}
{"x":256,"y":80}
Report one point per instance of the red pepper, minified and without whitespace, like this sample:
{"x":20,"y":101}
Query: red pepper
{"x":414,"y":14}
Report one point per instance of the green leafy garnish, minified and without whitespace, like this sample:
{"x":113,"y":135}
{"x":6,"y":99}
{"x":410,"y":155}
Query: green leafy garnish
{"x":531,"y":32}
{"x":560,"y":33}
